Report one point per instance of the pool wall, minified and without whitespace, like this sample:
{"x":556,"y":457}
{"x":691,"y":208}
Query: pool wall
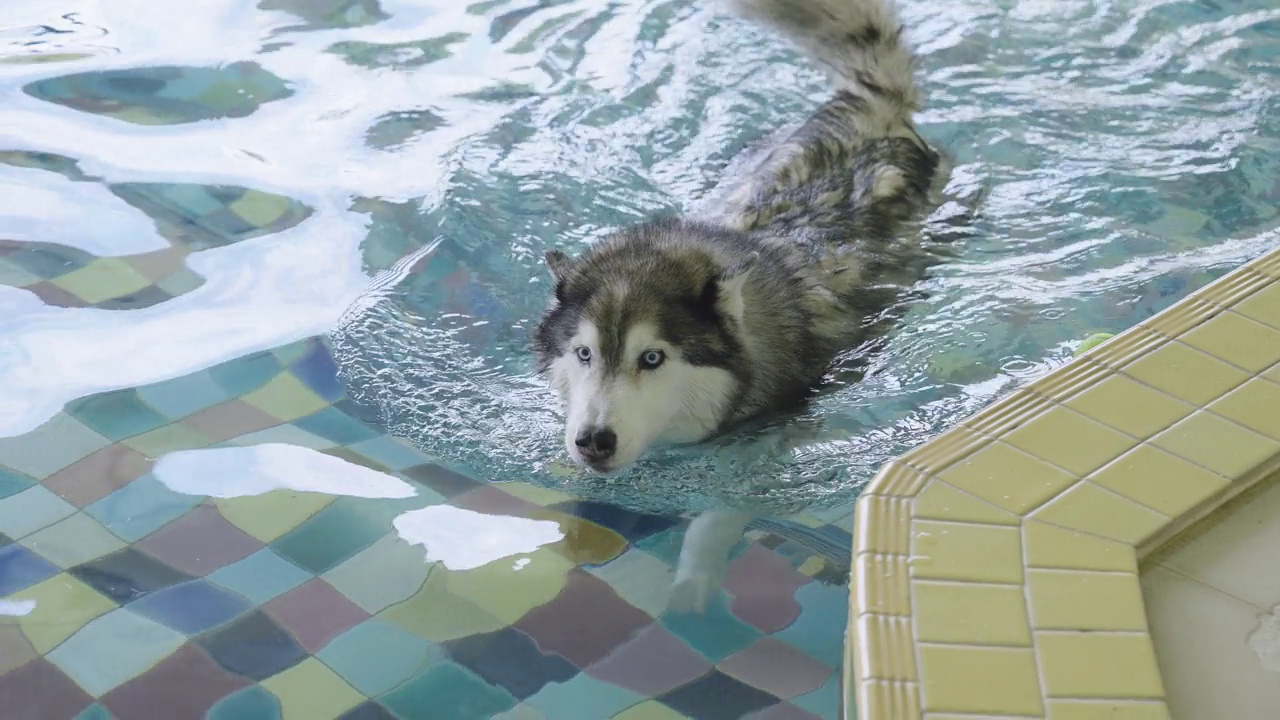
{"x":996,"y":566}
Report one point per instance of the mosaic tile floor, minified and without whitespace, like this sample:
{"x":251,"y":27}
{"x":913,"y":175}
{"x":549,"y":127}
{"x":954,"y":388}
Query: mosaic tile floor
{"x":142,"y":602}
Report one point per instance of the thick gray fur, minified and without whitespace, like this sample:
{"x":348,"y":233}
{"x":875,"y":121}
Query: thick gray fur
{"x":818,"y":227}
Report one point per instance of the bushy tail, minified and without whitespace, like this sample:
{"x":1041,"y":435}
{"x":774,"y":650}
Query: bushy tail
{"x":860,"y":41}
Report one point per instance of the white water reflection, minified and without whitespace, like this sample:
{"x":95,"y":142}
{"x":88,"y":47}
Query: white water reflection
{"x":242,"y":471}
{"x":17,"y":608}
{"x":44,"y":207}
{"x":464,"y":539}
{"x":259,"y":294}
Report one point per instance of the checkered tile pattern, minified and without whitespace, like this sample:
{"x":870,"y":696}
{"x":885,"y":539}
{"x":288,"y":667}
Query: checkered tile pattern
{"x":148,"y":603}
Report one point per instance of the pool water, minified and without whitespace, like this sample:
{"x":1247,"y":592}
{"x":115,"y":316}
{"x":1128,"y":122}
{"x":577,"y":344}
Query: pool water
{"x":205,"y":511}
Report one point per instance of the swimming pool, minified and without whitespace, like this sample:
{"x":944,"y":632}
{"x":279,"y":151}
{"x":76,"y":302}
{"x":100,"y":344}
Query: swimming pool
{"x":195,"y":517}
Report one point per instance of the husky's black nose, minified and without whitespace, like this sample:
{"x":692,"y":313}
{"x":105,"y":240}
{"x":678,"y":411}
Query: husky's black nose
{"x":596,"y":444}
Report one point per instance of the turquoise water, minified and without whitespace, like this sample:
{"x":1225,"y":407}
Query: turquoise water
{"x":234,"y":482}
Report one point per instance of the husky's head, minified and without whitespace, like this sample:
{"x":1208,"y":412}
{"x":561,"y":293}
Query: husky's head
{"x":643,"y":340}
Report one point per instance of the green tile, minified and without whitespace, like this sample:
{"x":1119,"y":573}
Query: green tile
{"x":116,"y":415}
{"x":387,"y":572}
{"x":376,"y":656}
{"x":94,"y":712}
{"x":167,"y":439}
{"x":31,"y":510}
{"x":12,"y":483}
{"x":52,"y":446}
{"x":251,"y":703}
{"x":75,"y":540}
{"x":448,"y":692}
{"x":113,"y":649}
{"x":332,"y":535}
{"x":246,"y":374}
{"x":184,"y":396}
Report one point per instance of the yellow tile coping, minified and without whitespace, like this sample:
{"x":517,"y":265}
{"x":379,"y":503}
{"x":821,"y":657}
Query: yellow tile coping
{"x":996,"y":566}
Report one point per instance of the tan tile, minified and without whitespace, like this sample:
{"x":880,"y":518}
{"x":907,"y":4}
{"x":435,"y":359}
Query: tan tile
{"x":1201,"y":640}
{"x":970,"y":614}
{"x":1186,"y":373}
{"x":1182,"y":317}
{"x":991,"y":681}
{"x":1111,"y":710}
{"x":1160,"y":481}
{"x":1091,"y":509}
{"x":1130,"y":406}
{"x":885,"y":649}
{"x":1098,"y":665}
{"x":1008,"y":477}
{"x":15,"y":651}
{"x":1268,"y":265}
{"x":1238,"y":340}
{"x":1217,"y":444}
{"x":960,"y":551}
{"x":1085,"y":600}
{"x":940,"y":501}
{"x":1230,"y":289}
{"x":881,"y":584}
{"x":1049,"y":546}
{"x":883,"y":525}
{"x":1078,"y":375}
{"x":1235,"y":542}
{"x":1255,"y":405}
{"x":896,"y":479}
{"x":1013,"y":410}
{"x":1263,"y":306}
{"x":1069,"y":440}
{"x":1273,"y":374}
{"x":1126,"y":347}
{"x":228,"y":420}
{"x":98,"y":474}
{"x":888,"y":699}
{"x":940,"y":452}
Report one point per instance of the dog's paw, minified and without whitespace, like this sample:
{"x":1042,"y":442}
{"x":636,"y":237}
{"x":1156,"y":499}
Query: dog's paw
{"x":692,"y":592}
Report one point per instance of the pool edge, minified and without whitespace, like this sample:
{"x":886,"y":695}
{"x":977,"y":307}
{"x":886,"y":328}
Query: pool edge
{"x":961,"y":545}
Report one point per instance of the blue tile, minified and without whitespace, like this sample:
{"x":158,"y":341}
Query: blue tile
{"x":447,"y":692}
{"x":823,"y":702}
{"x":716,"y":696}
{"x":30,"y":510}
{"x":333,"y":424}
{"x":367,"y":711}
{"x":192,"y":607}
{"x":510,"y":659}
{"x":630,"y":525}
{"x":819,"y":630}
{"x":246,"y":374}
{"x":583,"y":698}
{"x":184,"y":396}
{"x":253,"y":646}
{"x":376,"y":656}
{"x":261,"y":576}
{"x":251,"y":703}
{"x":716,"y":633}
{"x":116,"y":415}
{"x":140,"y":508}
{"x":12,"y":483}
{"x":127,"y":575}
{"x":664,"y":545}
{"x":20,"y":569}
{"x":94,"y":712}
{"x":317,"y":371}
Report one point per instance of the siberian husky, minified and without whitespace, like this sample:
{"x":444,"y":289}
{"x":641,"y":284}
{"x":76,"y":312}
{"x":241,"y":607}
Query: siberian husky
{"x":679,"y":329}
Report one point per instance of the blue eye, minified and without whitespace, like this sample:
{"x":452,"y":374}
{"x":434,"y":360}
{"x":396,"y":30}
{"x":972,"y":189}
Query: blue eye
{"x":652,"y":359}
{"x":584,"y":353}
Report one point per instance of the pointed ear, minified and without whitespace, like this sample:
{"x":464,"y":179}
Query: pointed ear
{"x":727,"y":287}
{"x":558,"y":263}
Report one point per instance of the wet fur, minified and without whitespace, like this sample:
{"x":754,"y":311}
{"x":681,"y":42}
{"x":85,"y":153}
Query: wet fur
{"x":782,"y":277}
